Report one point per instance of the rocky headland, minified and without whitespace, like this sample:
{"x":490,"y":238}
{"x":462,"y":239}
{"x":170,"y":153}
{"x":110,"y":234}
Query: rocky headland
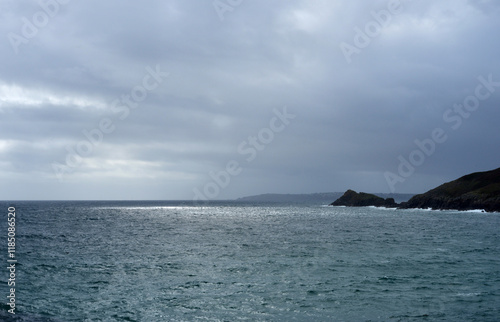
{"x":353,"y":199}
{"x":479,"y":190}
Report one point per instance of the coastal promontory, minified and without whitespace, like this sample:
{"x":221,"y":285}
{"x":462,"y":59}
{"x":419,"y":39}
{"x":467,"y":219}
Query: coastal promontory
{"x":479,"y":190}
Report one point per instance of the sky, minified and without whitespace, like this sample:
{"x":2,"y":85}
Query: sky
{"x":195,"y":100}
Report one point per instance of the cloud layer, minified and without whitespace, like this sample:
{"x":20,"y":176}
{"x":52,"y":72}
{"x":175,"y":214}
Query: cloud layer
{"x":364,"y":82}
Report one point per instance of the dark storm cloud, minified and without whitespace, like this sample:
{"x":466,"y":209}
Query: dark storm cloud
{"x":353,"y":120}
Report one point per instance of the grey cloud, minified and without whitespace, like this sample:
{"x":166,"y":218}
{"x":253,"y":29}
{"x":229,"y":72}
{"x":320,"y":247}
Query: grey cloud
{"x":353,"y":120}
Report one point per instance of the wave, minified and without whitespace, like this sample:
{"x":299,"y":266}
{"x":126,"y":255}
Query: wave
{"x":147,"y":207}
{"x":449,"y":210}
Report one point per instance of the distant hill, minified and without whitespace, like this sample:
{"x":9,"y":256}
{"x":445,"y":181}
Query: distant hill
{"x":320,"y":198}
{"x":325,"y":197}
{"x":480,"y":190}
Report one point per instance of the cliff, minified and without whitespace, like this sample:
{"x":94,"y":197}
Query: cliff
{"x":353,"y":199}
{"x":480,"y":190}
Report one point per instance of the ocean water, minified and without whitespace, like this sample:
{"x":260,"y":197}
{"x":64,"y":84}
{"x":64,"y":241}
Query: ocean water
{"x":228,"y":261}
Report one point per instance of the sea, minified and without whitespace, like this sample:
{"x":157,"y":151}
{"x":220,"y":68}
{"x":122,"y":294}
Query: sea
{"x":242,"y":261}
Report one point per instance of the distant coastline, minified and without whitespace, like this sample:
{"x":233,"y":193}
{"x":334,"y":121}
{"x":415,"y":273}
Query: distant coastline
{"x":320,"y":198}
{"x":475,"y":191}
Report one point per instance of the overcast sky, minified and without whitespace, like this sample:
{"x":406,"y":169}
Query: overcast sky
{"x":227,"y":98}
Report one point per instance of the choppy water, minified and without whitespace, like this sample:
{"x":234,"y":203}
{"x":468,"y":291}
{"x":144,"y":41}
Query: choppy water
{"x":170,"y":261}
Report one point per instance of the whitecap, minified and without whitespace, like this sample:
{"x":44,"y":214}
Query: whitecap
{"x":469,"y":294}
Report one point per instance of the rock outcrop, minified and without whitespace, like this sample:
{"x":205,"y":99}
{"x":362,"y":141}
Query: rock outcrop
{"x":480,"y":190}
{"x":353,"y":199}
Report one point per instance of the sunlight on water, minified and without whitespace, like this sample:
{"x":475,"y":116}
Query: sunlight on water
{"x":155,"y":262}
